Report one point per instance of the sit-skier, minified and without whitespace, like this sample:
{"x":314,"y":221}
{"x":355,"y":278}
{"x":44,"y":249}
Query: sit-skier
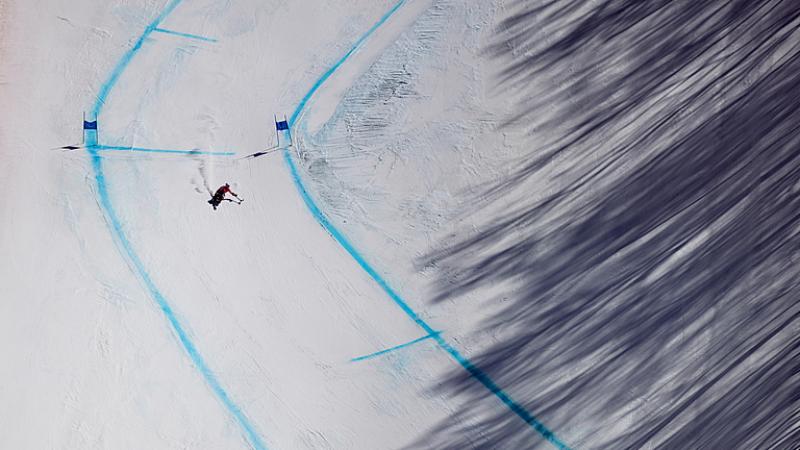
{"x":219,"y":196}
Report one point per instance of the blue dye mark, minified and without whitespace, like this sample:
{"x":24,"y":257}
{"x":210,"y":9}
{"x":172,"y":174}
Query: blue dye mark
{"x":465,"y":363}
{"x":396,"y":347}
{"x":158,"y":150}
{"x":186,"y":35}
{"x":105,"y":89}
{"x":335,"y":66}
{"x":127,"y":249}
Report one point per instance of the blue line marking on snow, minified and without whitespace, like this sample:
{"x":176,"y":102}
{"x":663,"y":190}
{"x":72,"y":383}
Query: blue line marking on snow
{"x":341,"y":61}
{"x":105,"y":89}
{"x":158,"y":150}
{"x":465,"y":363}
{"x":186,"y":35}
{"x":396,"y":347}
{"x":125,"y":245}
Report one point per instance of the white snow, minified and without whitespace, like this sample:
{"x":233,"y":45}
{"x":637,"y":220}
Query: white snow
{"x":275,"y":306}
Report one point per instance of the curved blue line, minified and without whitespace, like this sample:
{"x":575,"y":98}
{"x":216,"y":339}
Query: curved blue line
{"x":335,"y":66}
{"x":127,"y":249}
{"x":465,"y":363}
{"x":105,"y":89}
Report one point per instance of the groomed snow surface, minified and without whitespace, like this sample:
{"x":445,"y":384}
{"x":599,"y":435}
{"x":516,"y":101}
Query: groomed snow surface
{"x":316,"y":314}
{"x":136,"y":317}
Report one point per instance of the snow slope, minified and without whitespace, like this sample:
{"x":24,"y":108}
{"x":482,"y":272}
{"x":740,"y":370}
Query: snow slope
{"x":503,"y":224}
{"x":133,"y":316}
{"x":612,"y":236}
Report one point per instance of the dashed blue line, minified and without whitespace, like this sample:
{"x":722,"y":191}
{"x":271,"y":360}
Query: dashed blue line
{"x":396,"y":347}
{"x":465,"y":363}
{"x":126,"y":247}
{"x":186,"y":35}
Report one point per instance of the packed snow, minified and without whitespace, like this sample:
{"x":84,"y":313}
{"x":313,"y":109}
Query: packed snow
{"x":359,"y":295}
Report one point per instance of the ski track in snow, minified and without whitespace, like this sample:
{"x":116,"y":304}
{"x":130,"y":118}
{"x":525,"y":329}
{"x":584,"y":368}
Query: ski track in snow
{"x":138,"y":268}
{"x":127,"y":249}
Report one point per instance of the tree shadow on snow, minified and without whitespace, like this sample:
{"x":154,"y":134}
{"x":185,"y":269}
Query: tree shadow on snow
{"x":655,"y":267}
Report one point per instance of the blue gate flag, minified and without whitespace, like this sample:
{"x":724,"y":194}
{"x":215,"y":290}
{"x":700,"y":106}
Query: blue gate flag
{"x":89,"y":125}
{"x":282,"y":125}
